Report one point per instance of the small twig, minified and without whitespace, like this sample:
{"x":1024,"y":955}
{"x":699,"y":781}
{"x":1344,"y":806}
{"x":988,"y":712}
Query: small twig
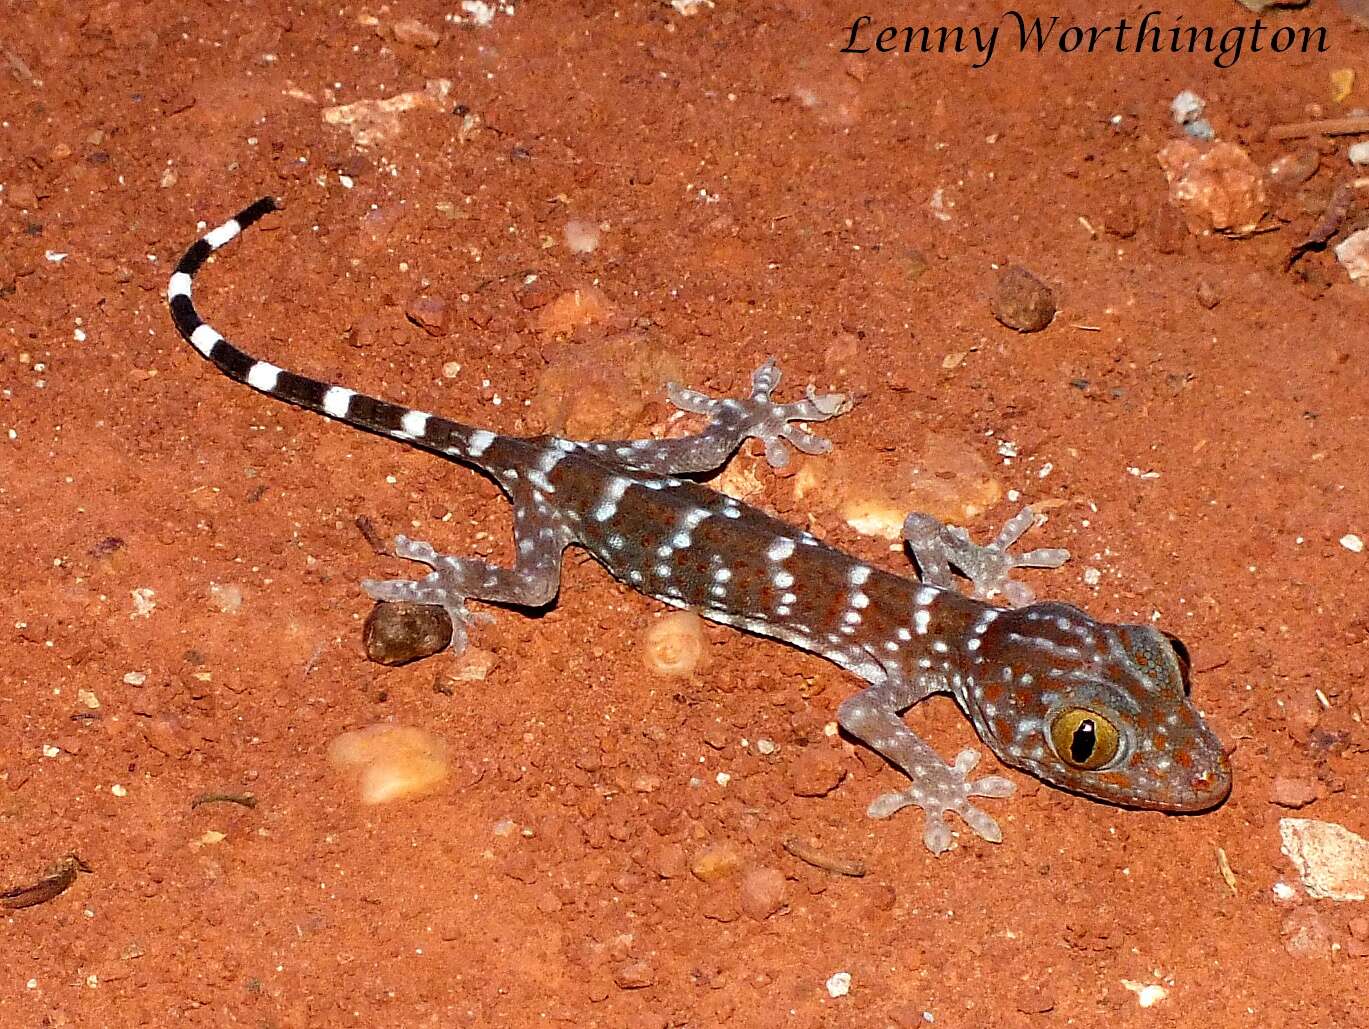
{"x":368,"y":530}
{"x":53,"y":883}
{"x":1352,"y":126}
{"x":21,"y":70}
{"x":810,"y":855}
{"x":245,"y":799}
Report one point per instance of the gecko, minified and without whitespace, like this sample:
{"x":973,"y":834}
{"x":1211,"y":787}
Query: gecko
{"x":1098,"y":709}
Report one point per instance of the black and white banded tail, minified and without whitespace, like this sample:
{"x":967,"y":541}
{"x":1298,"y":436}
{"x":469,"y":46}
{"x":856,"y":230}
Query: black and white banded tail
{"x":429,"y":431}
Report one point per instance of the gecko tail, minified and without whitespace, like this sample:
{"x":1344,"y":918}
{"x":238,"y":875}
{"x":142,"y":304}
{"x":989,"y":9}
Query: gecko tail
{"x":428,"y":431}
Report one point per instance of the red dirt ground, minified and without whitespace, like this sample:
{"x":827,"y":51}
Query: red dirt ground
{"x":762,"y":195}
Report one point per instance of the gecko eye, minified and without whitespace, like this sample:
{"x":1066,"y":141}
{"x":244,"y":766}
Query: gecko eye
{"x":1084,"y":739}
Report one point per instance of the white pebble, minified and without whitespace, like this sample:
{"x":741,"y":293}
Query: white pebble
{"x":118,"y":790}
{"x":134,"y":678}
{"x":582,"y":237}
{"x":1352,"y":543}
{"x":1147,"y":994}
{"x":839,"y":985}
{"x":1359,"y":154}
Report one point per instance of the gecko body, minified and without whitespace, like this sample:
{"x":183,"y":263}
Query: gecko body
{"x":1095,"y":708}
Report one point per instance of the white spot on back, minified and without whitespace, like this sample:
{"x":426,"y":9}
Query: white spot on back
{"x":781,"y":549}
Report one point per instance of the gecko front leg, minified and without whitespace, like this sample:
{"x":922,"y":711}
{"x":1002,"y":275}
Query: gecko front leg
{"x":731,"y":422}
{"x":534,"y":580}
{"x":873,"y":717}
{"x":938,"y":547}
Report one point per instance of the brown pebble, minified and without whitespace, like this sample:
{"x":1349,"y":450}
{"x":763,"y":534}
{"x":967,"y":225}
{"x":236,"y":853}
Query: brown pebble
{"x":881,"y":896}
{"x":415,"y":33}
{"x":1292,"y":793}
{"x":1294,"y":169}
{"x":396,"y":634}
{"x":670,"y":862}
{"x":429,"y":313}
{"x":1359,"y":928}
{"x":1033,"y":1001}
{"x":817,"y":771}
{"x":763,"y":892}
{"x":1357,"y":948}
{"x":714,"y":862}
{"x":635,"y":975}
{"x":1208,"y":295}
{"x":1021,"y":301}
{"x":23,"y":196}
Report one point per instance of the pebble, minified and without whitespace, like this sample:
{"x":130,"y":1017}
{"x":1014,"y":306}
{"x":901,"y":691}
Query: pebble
{"x":675,"y":644}
{"x":1353,"y":254}
{"x":1292,"y":793}
{"x":429,"y":313}
{"x":1293,"y":169}
{"x":635,"y":975}
{"x":390,"y":762}
{"x":839,"y":985}
{"x":571,"y":310}
{"x":415,"y":33}
{"x":1217,"y":187}
{"x":1352,"y":543}
{"x":715,"y":862}
{"x":817,"y":772}
{"x":1332,"y":861}
{"x":670,"y":862}
{"x":1359,"y":154}
{"x":374,"y":121}
{"x":1021,"y":301}
{"x":395,"y":634}
{"x":763,"y":892}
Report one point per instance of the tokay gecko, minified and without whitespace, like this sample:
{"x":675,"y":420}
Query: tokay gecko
{"x":1099,"y":709}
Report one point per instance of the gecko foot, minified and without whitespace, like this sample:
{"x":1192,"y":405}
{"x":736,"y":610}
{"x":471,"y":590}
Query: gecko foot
{"x":768,"y":422}
{"x":952,"y":793}
{"x":451,"y":582}
{"x":938,"y":548}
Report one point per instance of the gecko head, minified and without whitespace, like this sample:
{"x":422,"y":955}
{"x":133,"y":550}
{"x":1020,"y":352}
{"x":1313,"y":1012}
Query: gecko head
{"x":1097,"y":709}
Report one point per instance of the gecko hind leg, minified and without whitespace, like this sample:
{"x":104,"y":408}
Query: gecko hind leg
{"x":872,"y":716}
{"x":731,"y":421}
{"x":938,"y":547}
{"x":533,"y":582}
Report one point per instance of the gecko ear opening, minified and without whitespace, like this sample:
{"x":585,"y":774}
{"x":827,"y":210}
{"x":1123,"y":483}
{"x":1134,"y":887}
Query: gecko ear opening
{"x":1181,"y":653}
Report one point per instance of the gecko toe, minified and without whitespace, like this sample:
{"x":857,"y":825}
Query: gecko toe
{"x":994,"y":786}
{"x":888,"y":804}
{"x":937,"y":834}
{"x":983,"y":824}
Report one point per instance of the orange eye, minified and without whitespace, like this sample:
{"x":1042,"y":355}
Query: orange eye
{"x":1084,"y":739}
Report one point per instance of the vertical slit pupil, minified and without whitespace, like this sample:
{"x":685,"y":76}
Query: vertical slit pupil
{"x":1083,"y":741}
